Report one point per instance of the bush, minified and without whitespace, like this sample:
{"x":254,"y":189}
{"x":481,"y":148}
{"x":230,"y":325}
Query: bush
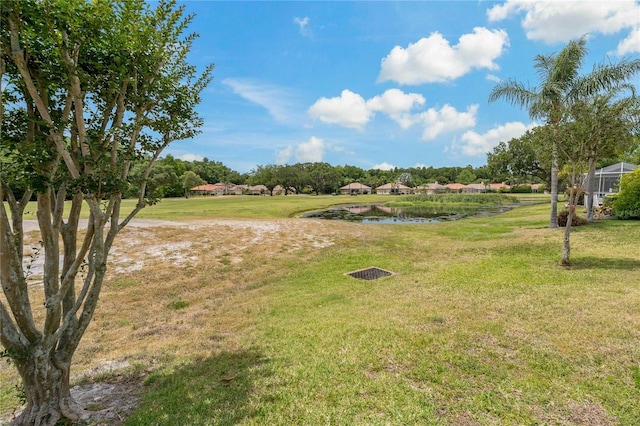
{"x":627,"y":204}
{"x":576,"y":220}
{"x":521,"y":189}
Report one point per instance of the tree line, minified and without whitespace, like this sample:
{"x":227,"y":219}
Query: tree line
{"x":173,"y":177}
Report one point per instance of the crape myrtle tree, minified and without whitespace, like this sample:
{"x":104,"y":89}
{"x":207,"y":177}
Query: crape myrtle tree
{"x":611,"y":120}
{"x":595,"y":124}
{"x":88,"y":87}
{"x":561,"y":84}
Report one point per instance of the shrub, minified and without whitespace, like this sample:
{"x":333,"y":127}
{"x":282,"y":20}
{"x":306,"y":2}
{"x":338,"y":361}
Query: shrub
{"x":627,"y":204}
{"x":521,"y":189}
{"x":179,"y":304}
{"x":576,"y":220}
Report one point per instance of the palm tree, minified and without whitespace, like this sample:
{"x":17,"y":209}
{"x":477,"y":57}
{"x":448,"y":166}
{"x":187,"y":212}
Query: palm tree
{"x":561,"y":85}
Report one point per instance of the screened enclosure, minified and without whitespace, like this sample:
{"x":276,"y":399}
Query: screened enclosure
{"x":608,"y":178}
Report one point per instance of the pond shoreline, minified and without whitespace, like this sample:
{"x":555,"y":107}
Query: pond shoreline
{"x":379,"y":213}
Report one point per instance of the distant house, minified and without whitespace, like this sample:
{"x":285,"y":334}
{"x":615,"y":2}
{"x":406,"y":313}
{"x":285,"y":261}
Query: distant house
{"x":430,"y":188}
{"x":455,"y":187}
{"x":355,"y":188}
{"x":280,"y":190}
{"x":257,"y":190}
{"x":213,"y":189}
{"x":238,"y":189}
{"x":475,"y":188}
{"x":500,"y":187}
{"x":393,"y":189}
{"x":208,"y":189}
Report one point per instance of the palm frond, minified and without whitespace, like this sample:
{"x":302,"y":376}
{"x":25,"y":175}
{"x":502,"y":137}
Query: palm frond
{"x":568,"y":62}
{"x":514,"y":92}
{"x":604,"y":77}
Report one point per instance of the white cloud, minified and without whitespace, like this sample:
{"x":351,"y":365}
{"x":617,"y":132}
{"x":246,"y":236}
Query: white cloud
{"x":560,"y":21}
{"x":447,"y":119}
{"x":397,"y":104}
{"x":631,"y":44}
{"x":303,"y":26}
{"x":433,"y":59}
{"x":311,"y":151}
{"x":384,"y":166}
{"x":347,"y":110}
{"x":476,"y":144}
{"x":277,"y":100}
{"x":284,"y":155}
{"x":494,"y":78}
{"x":191,"y":157}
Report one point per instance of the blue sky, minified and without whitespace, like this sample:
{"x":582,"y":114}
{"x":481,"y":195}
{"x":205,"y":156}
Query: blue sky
{"x":380,"y":84}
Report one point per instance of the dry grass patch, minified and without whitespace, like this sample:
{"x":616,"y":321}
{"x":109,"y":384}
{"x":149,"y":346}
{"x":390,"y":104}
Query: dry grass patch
{"x":186,"y":291}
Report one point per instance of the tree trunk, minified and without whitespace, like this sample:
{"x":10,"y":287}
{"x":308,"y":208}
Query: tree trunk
{"x":566,"y":245}
{"x":591,"y":189}
{"x":553,"y":219}
{"x":45,"y":381}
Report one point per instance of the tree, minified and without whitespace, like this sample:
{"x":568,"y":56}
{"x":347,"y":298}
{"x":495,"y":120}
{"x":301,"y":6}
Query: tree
{"x":610,"y":122}
{"x":560,"y":85}
{"x":96,"y":85}
{"x":594,"y":125}
{"x":323,"y":178}
{"x":521,"y":159}
{"x":189,"y":180}
{"x":405,"y":179}
{"x":466,"y":176}
{"x":627,"y":203}
{"x":265,"y":175}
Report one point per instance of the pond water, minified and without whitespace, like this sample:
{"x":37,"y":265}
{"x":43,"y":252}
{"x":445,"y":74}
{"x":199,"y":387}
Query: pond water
{"x":379,"y":213}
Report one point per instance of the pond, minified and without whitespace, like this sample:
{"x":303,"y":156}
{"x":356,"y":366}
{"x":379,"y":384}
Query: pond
{"x":379,"y":213}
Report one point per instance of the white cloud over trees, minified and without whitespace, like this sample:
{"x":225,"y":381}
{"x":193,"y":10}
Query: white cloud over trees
{"x":311,"y":151}
{"x":384,"y":166}
{"x":433,"y":59}
{"x":475,"y":144}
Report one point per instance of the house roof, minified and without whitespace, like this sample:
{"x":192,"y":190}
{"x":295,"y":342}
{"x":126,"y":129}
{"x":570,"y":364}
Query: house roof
{"x":393,"y":186}
{"x":431,"y":186}
{"x":455,"y":186}
{"x":355,"y":185}
{"x":616,"y":169}
{"x":258,"y":188}
{"x":479,"y":186}
{"x":498,"y":185}
{"x":207,"y":187}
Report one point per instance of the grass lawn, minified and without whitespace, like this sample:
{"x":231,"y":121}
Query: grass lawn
{"x":480,"y":326}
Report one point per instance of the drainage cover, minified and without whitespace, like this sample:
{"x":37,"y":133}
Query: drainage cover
{"x":370,"y":273}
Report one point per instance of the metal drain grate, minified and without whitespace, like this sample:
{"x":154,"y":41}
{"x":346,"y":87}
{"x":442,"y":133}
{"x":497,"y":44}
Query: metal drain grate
{"x":372,"y":273}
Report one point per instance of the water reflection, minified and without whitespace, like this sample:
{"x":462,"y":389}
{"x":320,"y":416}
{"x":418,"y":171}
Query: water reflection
{"x":378,"y":213}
